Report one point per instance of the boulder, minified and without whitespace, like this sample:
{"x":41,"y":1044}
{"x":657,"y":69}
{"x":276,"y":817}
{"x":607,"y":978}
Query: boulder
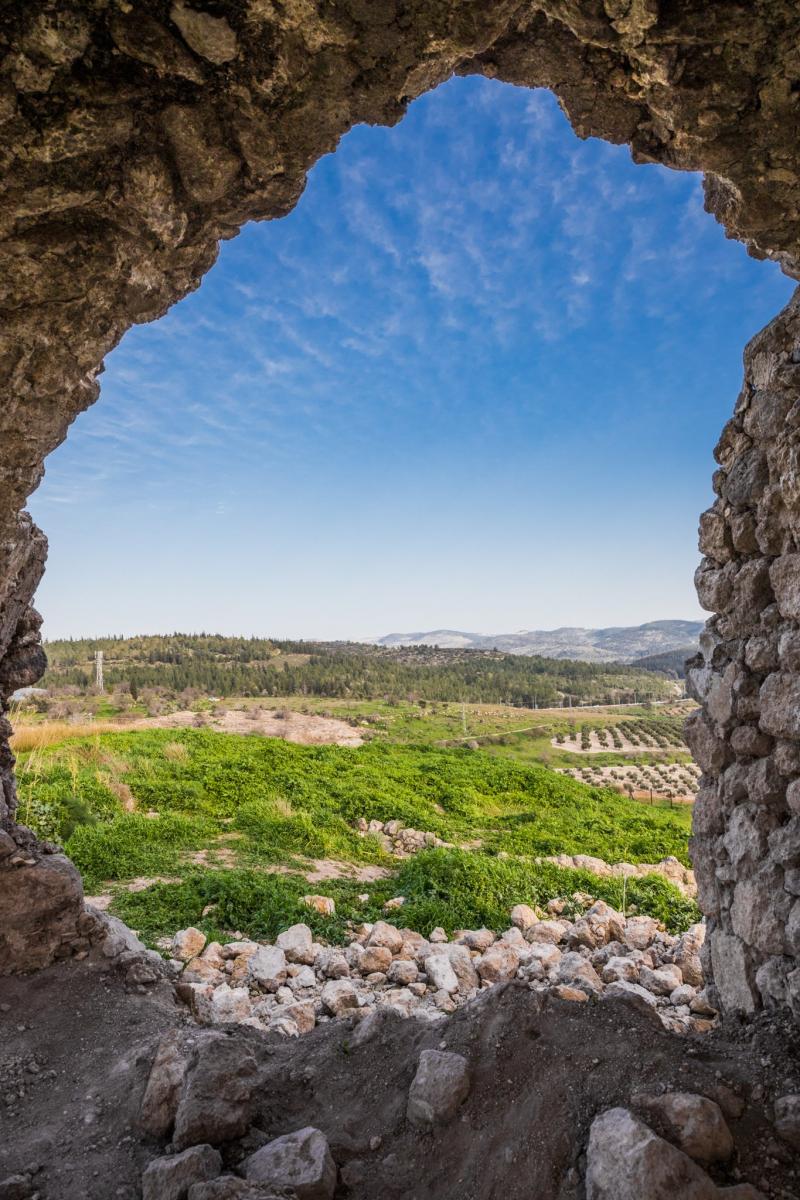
{"x":339,"y":997}
{"x":333,"y":963}
{"x":297,"y":943}
{"x":440,"y":1086}
{"x":267,"y":968}
{"x":619,"y":968}
{"x":204,"y":970}
{"x":386,"y":935}
{"x":464,"y":968}
{"x":375,"y":958}
{"x":324,"y":905}
{"x":694,"y":1123}
{"x":170,"y":1178}
{"x":160,"y":1100}
{"x":225,"y":1004}
{"x":625,"y":1160}
{"x":640,"y":932}
{"x":402,"y":971}
{"x":302,"y":1014}
{"x":578,"y":971}
{"x":633,"y":994}
{"x":188,"y":943}
{"x":576,"y":995}
{"x":662,"y":981}
{"x":237,"y":949}
{"x":299,"y":1161}
{"x":478,"y":939}
{"x":548,"y":931}
{"x":523,"y":916}
{"x":684,"y":994}
{"x":304,"y":978}
{"x":498,"y":964}
{"x":216,"y":1098}
{"x":441,"y":975}
{"x":545,"y":953}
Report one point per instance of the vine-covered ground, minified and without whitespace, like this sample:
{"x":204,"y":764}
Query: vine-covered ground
{"x":219,"y":830}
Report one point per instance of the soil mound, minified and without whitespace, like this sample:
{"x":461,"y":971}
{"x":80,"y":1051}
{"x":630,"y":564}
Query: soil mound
{"x":78,"y":1047}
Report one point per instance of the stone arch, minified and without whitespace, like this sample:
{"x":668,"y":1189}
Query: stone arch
{"x":139,"y":134}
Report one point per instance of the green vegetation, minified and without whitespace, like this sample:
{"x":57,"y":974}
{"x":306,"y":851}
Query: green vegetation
{"x":145,"y":803}
{"x":219,"y":666}
{"x":452,"y":888}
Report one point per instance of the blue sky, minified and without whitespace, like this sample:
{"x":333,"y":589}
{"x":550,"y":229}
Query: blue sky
{"x":474,"y":380}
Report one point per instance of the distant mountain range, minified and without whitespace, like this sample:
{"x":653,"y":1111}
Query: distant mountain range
{"x":620,"y":643}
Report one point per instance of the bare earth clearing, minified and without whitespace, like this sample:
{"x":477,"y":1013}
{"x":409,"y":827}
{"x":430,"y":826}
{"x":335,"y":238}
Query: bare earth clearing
{"x":306,"y":729}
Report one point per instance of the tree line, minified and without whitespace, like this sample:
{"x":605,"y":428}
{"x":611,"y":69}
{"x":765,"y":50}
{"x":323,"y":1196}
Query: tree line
{"x":227,"y":666}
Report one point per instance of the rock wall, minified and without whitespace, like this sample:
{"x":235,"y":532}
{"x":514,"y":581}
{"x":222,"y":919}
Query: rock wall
{"x":746,"y":844}
{"x":138,"y":133}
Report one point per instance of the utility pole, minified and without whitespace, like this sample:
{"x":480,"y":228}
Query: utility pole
{"x":464,"y":717}
{"x":98,"y":670}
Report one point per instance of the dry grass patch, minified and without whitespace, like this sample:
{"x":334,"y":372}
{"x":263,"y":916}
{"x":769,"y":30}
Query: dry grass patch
{"x":175,"y":752}
{"x":41,"y":734}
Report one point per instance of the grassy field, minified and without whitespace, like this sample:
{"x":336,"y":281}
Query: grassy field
{"x":214,"y":815}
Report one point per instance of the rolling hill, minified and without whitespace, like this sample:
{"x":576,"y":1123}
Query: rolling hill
{"x":618,"y":643}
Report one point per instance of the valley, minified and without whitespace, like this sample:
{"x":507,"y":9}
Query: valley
{"x":188,"y":809}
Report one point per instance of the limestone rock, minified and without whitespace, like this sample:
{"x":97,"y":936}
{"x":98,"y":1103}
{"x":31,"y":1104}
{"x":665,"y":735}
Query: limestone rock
{"x":267,"y":968}
{"x":662,"y":981}
{"x":375,"y":958}
{"x":300,"y":1161}
{"x":478,"y":939}
{"x":386,"y":936}
{"x":171,"y":1177}
{"x":694,"y":1123}
{"x":215,"y":1101}
{"x":339,"y":997}
{"x":441,"y":975}
{"x":440,"y":1086}
{"x":188,"y":943}
{"x":498,"y":964}
{"x":210,"y":37}
{"x":622,"y":989}
{"x":523,"y":916}
{"x":625,"y":1160}
{"x":160,"y":1100}
{"x":297,"y":943}
{"x":579,"y":972}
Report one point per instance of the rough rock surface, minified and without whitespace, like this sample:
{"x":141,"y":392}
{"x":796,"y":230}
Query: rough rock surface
{"x":746,"y":841}
{"x":626,"y":1160}
{"x":300,"y":1161}
{"x":581,"y":959}
{"x":541,"y":1071}
{"x":135,"y":139}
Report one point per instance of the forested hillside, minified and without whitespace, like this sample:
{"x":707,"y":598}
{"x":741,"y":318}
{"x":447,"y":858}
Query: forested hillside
{"x":227,"y":666}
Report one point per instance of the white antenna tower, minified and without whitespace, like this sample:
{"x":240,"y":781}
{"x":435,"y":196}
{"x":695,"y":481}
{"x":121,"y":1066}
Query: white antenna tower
{"x":98,"y":670}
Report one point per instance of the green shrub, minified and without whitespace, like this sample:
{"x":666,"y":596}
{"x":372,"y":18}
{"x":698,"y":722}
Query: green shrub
{"x":451,"y":888}
{"x":133,"y":845}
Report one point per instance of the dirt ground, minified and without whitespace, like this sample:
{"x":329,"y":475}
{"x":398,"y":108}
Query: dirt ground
{"x":307,"y":729}
{"x":77,"y":1046}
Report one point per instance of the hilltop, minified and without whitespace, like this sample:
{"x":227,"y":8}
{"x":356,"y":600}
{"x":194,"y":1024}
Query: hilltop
{"x":618,"y":643}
